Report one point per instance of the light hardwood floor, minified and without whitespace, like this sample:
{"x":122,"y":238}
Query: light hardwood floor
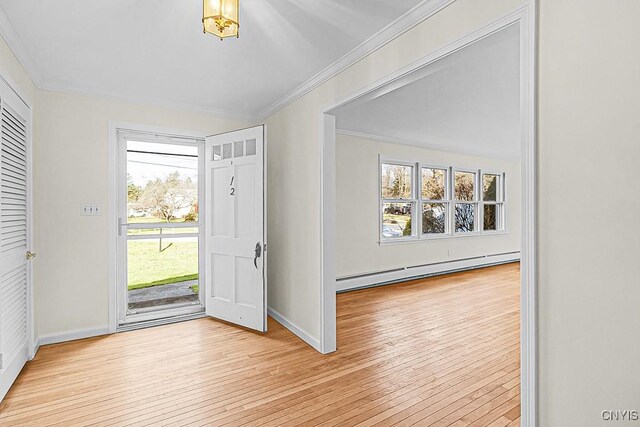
{"x":440,"y":351}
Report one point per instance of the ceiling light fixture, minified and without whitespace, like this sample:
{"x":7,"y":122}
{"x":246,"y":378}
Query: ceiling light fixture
{"x":220,"y":18}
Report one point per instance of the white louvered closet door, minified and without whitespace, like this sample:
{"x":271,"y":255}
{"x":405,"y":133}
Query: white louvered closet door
{"x":13,"y":240}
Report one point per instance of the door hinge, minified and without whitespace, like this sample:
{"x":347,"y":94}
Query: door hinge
{"x":264,"y":249}
{"x":31,"y":255}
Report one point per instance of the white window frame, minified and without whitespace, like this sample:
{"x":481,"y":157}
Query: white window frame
{"x":500,"y":202}
{"x":448,"y":194}
{"x":474,"y":202}
{"x":417,"y":202}
{"x":413,"y":200}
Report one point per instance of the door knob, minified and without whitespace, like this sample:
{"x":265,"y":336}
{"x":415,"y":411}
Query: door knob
{"x":31,"y":255}
{"x":258,"y":252}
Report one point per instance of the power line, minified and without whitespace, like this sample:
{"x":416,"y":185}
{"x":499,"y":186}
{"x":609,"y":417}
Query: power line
{"x":162,"y":154}
{"x":160,"y":164}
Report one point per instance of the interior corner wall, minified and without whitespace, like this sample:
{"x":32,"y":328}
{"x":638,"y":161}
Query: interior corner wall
{"x":357,"y":210}
{"x":589,"y":152}
{"x":295,"y":153}
{"x":71,"y":135}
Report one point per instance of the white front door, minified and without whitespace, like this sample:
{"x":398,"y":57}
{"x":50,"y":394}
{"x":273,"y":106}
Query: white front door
{"x":14,"y":236}
{"x":235,"y":244}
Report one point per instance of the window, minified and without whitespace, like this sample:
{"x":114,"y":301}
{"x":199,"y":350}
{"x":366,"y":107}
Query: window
{"x":435,"y":200}
{"x":492,"y":202}
{"x":398,"y":200}
{"x":466,"y":201}
{"x":421,"y":201}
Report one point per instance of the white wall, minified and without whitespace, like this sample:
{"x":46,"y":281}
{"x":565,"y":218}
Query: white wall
{"x":70,"y":168}
{"x":295,"y":156}
{"x":589,"y":150}
{"x":357,"y":209}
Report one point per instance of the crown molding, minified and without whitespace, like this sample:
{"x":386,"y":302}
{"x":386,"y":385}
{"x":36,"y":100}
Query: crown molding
{"x":13,"y":40}
{"x":404,"y":23}
{"x":422,"y":144}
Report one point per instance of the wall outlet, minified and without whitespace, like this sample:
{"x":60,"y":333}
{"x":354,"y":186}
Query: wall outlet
{"x":90,"y":210}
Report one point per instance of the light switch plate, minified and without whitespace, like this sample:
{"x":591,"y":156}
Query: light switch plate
{"x":90,"y":210}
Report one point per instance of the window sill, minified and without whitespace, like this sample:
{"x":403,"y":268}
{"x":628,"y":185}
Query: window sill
{"x":423,"y":239}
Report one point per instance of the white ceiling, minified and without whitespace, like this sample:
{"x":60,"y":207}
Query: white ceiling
{"x":154,"y":50}
{"x":467,"y":102}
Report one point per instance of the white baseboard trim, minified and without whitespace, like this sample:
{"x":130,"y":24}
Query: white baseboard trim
{"x":295,"y":329}
{"x":351,"y":283}
{"x":71,"y":336}
{"x":11,"y":372}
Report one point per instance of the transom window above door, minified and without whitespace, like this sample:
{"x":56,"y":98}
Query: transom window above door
{"x":234,"y":150}
{"x":422,"y":201}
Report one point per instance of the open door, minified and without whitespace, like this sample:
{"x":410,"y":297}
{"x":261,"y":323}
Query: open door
{"x":235,"y":243}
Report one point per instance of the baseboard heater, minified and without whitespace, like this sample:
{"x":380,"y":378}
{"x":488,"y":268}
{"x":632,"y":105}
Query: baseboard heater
{"x":387,"y":277}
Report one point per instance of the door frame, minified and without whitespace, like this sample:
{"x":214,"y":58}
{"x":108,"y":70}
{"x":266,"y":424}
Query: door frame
{"x":525,"y":17}
{"x":115,"y":127}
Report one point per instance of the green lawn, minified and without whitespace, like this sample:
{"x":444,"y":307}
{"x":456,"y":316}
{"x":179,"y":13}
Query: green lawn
{"x":147,"y":266}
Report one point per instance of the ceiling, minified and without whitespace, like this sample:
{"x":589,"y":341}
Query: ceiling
{"x":468,"y":102}
{"x":154,"y":50}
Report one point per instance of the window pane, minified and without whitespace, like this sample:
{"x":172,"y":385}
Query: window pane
{"x":396,"y":220}
{"x":490,"y":187}
{"x":464,"y":185}
{"x":162,"y":182}
{"x":465,"y":217}
{"x":433,"y":218}
{"x":490,"y":217}
{"x":396,"y":181}
{"x":433,"y":184}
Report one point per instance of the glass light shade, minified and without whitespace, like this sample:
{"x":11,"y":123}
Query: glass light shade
{"x":220,"y":18}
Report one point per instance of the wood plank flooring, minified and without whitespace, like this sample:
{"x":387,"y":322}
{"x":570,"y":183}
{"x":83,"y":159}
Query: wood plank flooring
{"x":438,"y":351}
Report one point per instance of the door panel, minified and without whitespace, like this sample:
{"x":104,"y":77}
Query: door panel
{"x":235,"y":242}
{"x":14,"y":239}
{"x":245,"y":280}
{"x":221,"y":278}
{"x":220,"y":212}
{"x":245,"y":200}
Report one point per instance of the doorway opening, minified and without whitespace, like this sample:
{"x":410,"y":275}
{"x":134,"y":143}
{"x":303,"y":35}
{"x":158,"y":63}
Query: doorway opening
{"x":188,"y":226}
{"x":443,"y":182}
{"x":159,"y":233}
